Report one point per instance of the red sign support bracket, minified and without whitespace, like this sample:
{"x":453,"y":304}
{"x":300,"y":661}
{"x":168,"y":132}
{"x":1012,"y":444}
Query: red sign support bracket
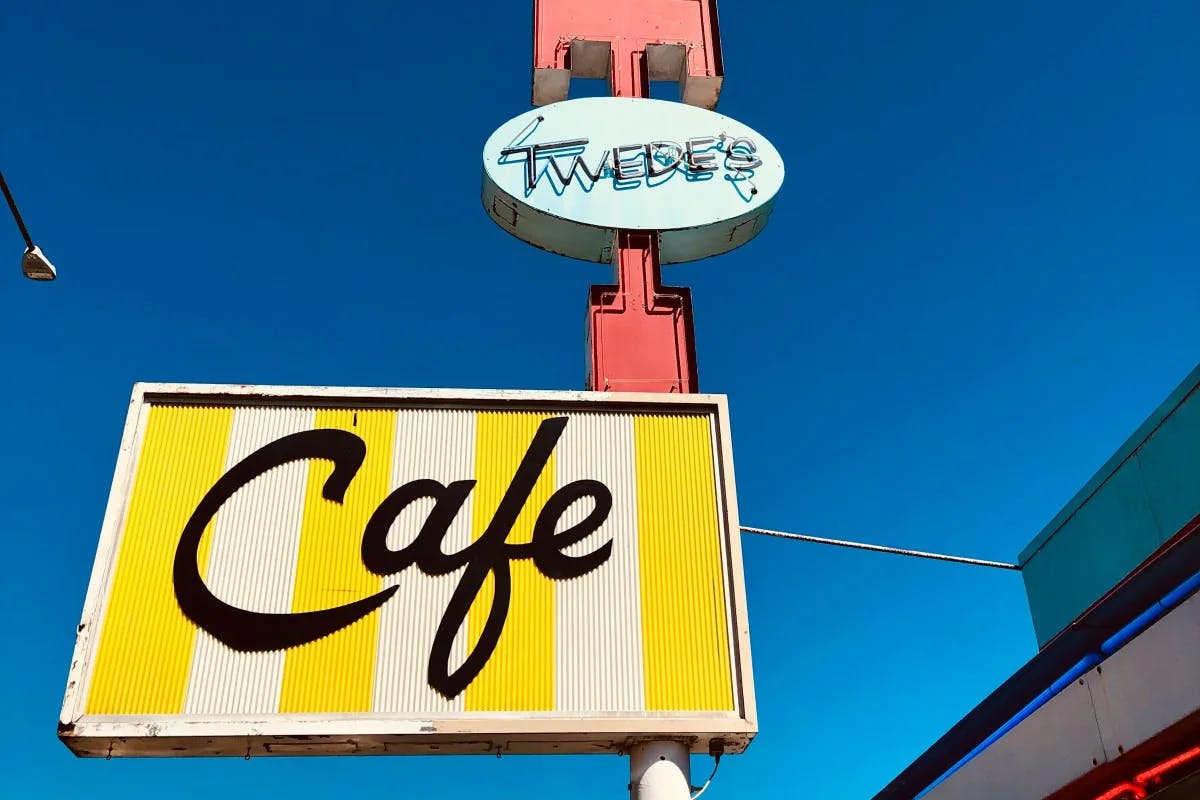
{"x":640,"y":333}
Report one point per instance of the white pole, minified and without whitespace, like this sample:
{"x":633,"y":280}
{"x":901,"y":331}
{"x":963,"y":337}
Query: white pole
{"x":660,"y":771}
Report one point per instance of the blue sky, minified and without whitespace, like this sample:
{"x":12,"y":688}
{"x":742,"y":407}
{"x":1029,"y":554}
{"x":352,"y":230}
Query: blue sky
{"x":981,"y":275}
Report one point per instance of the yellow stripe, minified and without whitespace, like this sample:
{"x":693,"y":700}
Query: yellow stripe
{"x":520,"y":674}
{"x":145,"y":648}
{"x":684,"y":638}
{"x":336,"y":674}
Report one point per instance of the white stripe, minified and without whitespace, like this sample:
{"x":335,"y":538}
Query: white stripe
{"x":598,"y":617}
{"x":252,"y":565}
{"x":437,"y":444}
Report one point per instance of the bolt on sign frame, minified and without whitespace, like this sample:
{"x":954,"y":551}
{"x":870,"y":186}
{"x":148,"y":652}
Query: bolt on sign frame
{"x":300,"y":570}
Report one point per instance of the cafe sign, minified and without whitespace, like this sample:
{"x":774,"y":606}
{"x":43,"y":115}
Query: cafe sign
{"x":566,"y":176}
{"x":314,"y":570}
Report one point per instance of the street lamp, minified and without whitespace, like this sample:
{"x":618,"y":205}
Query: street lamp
{"x":34,"y":263}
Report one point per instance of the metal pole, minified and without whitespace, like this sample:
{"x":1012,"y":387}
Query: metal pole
{"x":660,"y":770}
{"x":12,"y":204}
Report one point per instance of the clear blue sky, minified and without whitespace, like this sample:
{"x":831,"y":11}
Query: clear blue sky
{"x":981,"y":275}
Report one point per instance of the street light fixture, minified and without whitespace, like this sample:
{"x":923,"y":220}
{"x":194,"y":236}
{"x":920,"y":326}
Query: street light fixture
{"x":34,"y":263}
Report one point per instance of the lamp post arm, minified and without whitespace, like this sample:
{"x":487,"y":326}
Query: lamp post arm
{"x":12,"y":204}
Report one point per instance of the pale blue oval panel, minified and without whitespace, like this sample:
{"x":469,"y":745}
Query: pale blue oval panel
{"x":566,"y":176}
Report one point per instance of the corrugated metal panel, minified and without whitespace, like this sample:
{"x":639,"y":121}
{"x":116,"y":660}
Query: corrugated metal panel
{"x":437,"y":444}
{"x":145,"y":634}
{"x":598,"y":624}
{"x":526,"y":646}
{"x":685,"y":638}
{"x":252,"y":565}
{"x":336,"y":673}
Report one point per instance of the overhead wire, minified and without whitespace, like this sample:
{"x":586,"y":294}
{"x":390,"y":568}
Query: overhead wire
{"x":878,"y":548}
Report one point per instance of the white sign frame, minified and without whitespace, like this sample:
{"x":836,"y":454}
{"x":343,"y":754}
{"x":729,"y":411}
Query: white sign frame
{"x":352,"y":734}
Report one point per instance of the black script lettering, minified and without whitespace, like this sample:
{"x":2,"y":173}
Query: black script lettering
{"x":490,"y":553}
{"x":250,"y":631}
{"x":699,"y":161}
{"x":548,"y":545}
{"x":426,"y":550}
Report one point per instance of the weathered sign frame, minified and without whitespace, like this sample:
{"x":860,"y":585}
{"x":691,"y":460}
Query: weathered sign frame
{"x":374,"y":733}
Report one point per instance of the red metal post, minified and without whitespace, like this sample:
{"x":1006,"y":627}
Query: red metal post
{"x":640,"y":335}
{"x":639,"y":331}
{"x":680,"y":41}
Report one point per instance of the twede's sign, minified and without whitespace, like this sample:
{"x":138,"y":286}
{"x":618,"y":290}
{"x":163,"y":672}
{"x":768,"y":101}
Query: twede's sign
{"x":565,"y":176}
{"x":312,"y":570}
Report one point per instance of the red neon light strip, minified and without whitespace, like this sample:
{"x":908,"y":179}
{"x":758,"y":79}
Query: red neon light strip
{"x":1155,"y":774}
{"x":1137,"y":789}
{"x":1123,"y":789}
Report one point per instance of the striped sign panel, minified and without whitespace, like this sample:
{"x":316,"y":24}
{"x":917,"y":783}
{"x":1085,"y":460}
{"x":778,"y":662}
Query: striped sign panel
{"x":318,"y":570}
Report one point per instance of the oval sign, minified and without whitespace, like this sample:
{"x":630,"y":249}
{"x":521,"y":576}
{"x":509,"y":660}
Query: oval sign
{"x":566,"y":176}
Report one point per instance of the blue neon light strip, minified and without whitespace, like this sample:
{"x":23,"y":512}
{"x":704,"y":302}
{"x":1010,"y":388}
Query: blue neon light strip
{"x":1110,"y":645}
